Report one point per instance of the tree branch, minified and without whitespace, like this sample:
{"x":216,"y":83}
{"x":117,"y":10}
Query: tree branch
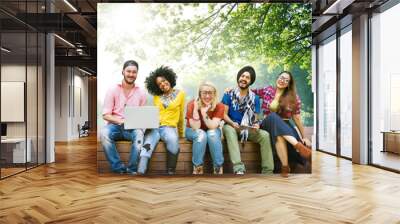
{"x":263,"y":16}
{"x":215,"y":28}
{"x":297,"y":52}
{"x":214,"y":14}
{"x":205,"y":35}
{"x":298,"y":59}
{"x":300,"y":38}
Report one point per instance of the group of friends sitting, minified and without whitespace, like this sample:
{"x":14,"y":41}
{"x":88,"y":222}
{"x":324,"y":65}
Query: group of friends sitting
{"x":237,"y":117}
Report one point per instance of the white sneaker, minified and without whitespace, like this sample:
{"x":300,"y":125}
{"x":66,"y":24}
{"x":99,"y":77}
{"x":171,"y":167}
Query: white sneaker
{"x":219,"y":170}
{"x":239,"y":172}
{"x":197,"y":170}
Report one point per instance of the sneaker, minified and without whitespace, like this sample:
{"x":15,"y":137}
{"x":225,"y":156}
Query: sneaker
{"x":171,"y":171}
{"x":239,"y":172}
{"x":198,"y":170}
{"x":219,"y":170}
{"x":121,"y":170}
{"x":131,"y":172}
{"x":266,"y":171}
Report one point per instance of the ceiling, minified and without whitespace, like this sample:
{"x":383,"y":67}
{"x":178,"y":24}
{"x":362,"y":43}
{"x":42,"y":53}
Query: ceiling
{"x":75,"y":42}
{"x":75,"y":23}
{"x":329,"y":16}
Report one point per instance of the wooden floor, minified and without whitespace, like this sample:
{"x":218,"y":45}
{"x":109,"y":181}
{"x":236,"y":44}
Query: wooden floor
{"x":386,"y":159}
{"x":71,"y":191}
{"x":5,"y":172}
{"x":10,"y":171}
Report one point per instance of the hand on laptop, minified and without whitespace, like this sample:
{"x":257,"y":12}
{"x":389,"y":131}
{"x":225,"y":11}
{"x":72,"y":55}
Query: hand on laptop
{"x":149,"y":117}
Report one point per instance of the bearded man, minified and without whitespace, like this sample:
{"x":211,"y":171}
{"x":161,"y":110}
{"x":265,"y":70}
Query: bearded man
{"x":241,"y":109}
{"x":115,"y":101}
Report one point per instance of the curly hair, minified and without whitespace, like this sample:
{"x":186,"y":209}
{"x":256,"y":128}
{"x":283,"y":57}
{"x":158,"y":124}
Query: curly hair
{"x":162,"y":71}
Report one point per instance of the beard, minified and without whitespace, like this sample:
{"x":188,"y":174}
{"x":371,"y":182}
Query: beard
{"x":129,"y":82}
{"x":244,"y":87}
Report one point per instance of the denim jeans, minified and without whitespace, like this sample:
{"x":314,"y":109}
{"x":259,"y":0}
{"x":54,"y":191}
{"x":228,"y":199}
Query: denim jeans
{"x":111,"y":133}
{"x":169,"y":135}
{"x":200,"y":138}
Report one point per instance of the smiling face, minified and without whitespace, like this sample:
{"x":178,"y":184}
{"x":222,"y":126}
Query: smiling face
{"x":207,"y":95}
{"x":244,"y":80}
{"x":163,"y":84}
{"x":130,"y":74}
{"x":283,"y":81}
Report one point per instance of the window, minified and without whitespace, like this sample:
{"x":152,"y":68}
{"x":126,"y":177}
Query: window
{"x":327,"y":95}
{"x":385,"y":88}
{"x":346,"y":92}
{"x":22,"y":75}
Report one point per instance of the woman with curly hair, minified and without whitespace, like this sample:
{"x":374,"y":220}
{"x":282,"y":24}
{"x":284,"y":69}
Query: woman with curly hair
{"x":171,"y":103}
{"x":280,"y":104}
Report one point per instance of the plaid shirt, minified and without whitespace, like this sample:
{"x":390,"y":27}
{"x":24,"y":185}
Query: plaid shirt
{"x":267,"y":94}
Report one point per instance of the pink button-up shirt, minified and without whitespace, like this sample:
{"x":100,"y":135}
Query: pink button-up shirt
{"x":115,"y":100}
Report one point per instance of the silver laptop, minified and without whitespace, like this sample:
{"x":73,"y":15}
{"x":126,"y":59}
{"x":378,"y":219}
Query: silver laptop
{"x":147,"y":117}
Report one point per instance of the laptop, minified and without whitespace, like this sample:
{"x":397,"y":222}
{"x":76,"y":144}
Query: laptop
{"x":146,"y":117}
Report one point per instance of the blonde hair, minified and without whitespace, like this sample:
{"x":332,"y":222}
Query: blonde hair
{"x":215,"y":96}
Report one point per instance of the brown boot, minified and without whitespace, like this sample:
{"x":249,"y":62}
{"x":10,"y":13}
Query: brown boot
{"x":285,"y":170}
{"x":303,"y":150}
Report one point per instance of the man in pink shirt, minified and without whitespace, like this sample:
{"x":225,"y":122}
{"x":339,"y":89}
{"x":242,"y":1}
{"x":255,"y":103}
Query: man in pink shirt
{"x":117,"y":97}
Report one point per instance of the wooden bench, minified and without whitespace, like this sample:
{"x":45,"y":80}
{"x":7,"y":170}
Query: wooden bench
{"x":250,"y":155}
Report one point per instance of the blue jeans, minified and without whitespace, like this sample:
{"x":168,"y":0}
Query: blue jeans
{"x":111,"y":133}
{"x":200,"y":138}
{"x":169,"y":135}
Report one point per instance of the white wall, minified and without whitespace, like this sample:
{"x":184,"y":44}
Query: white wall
{"x":79,"y":117}
{"x":16,"y":73}
{"x":61,"y":103}
{"x":33,"y":127}
{"x":70,"y":83}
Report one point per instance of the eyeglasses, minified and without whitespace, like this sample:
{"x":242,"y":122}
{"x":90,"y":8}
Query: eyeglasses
{"x":285,"y":80}
{"x":204,"y":93}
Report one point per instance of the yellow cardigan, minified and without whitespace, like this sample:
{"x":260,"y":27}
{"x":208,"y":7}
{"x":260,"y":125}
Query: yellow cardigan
{"x":173,"y":115}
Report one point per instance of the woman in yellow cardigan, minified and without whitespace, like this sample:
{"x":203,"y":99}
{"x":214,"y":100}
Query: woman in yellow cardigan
{"x":171,"y":102}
